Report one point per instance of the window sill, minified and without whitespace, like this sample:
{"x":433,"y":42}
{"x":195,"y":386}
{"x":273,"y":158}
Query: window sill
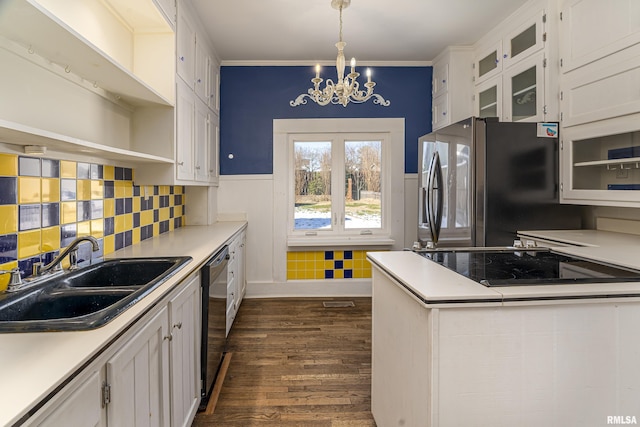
{"x":312,"y":241}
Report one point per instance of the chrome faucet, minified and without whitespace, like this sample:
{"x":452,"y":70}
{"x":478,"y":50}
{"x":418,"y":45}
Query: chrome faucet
{"x":16,"y":280}
{"x":71,"y":250}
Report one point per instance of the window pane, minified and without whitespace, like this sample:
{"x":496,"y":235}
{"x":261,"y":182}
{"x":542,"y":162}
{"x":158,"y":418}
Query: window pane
{"x":312,"y":169}
{"x":363,"y":207}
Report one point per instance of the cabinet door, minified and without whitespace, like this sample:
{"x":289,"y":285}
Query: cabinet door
{"x":440,"y":78}
{"x":487,"y":63}
{"x":186,"y":49}
{"x":185,"y":114}
{"x":81,"y":408}
{"x":202,"y":140}
{"x":488,"y":98}
{"x":139,"y":377}
{"x":214,"y":85}
{"x":184,"y":313}
{"x":524,"y":90}
{"x":202,"y":74}
{"x":524,"y":41}
{"x":242,"y":268}
{"x":214,"y":147}
{"x":440,"y":111}
{"x":593,"y":29}
{"x":602,"y":90}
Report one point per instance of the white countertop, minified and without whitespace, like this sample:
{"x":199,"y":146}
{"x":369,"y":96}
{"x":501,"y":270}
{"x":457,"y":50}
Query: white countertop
{"x":34,"y":364}
{"x":436,"y":285}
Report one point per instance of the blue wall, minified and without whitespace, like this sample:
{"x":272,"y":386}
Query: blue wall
{"x":252,"y":97}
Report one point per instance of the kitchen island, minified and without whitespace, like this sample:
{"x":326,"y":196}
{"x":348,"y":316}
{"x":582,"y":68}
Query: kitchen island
{"x":35,"y":367}
{"x":448,"y":351}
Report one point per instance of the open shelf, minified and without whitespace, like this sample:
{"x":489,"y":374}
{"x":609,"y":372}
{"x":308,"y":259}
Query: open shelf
{"x":16,"y":133}
{"x":633,"y":161}
{"x":39,"y":31}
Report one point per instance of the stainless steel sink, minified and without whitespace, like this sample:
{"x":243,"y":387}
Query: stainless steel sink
{"x":85,"y":298}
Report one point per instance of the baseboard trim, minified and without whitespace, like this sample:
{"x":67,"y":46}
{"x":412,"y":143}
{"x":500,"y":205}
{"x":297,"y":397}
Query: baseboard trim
{"x":310,"y":288}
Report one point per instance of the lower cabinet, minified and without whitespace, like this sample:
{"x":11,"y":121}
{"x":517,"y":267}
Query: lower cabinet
{"x":236,"y":280}
{"x":149,"y":377}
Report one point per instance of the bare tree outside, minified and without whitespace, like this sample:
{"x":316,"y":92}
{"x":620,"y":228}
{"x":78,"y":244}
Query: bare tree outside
{"x":363,"y":208}
{"x":362,"y":187}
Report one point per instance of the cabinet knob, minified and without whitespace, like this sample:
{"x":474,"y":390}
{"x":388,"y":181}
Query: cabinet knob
{"x":178,"y":325}
{"x":168,"y":337}
{"x":444,"y":81}
{"x":197,"y":168}
{"x":182,"y":58}
{"x":506,"y":55}
{"x":180,"y":163}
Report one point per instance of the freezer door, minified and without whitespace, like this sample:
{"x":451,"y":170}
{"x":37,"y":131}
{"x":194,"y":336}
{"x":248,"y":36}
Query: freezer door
{"x":454,"y":147}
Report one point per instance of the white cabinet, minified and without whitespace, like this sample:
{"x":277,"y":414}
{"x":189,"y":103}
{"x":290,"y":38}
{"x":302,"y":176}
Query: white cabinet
{"x":185,"y":133}
{"x":600,"y":163}
{"x":138,"y":377}
{"x":594,"y":29}
{"x":184,"y":321}
{"x":452,"y":86}
{"x":600,"y":102}
{"x":149,"y":377}
{"x":202,"y":142}
{"x":236,"y":277}
{"x":600,"y":60}
{"x":80,"y":407}
{"x":523,"y":92}
{"x":116,"y":79}
{"x":186,"y":48}
{"x":510,"y":71}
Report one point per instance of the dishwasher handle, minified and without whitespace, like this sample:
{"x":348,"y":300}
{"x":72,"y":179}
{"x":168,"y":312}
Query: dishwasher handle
{"x":218,"y":262}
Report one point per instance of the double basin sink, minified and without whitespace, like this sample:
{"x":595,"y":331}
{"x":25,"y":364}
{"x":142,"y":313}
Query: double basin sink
{"x":86,"y":298}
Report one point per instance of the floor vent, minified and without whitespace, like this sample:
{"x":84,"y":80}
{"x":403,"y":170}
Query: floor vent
{"x":338,"y":304}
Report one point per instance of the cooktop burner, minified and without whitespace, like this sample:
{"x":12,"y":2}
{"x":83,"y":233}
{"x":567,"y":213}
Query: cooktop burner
{"x":528,"y":267}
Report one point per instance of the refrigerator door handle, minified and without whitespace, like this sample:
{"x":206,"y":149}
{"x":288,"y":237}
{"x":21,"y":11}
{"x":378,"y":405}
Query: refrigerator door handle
{"x":434,"y":197}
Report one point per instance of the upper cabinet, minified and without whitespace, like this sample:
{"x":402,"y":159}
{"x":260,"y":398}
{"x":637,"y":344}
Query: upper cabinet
{"x":452,"y":86}
{"x":594,"y":29}
{"x":509,"y":69}
{"x":600,"y":102}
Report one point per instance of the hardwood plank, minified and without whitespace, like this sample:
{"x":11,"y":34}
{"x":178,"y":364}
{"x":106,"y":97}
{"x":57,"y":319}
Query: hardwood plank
{"x":297,"y":363}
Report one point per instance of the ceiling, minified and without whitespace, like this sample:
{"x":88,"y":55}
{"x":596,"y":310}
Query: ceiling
{"x":305,"y":31}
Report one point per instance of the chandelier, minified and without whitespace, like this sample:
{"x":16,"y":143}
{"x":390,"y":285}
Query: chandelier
{"x":345,"y":89}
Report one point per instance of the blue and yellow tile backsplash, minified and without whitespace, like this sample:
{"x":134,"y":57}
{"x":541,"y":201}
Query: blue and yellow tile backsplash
{"x":45,"y":204}
{"x":344,"y":264}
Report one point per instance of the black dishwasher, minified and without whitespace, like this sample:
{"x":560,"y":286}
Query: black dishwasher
{"x":214,"y":309}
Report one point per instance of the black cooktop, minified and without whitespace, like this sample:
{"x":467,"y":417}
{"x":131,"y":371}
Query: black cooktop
{"x":528,"y":267}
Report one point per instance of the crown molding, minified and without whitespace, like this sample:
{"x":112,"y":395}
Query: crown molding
{"x":258,"y":63}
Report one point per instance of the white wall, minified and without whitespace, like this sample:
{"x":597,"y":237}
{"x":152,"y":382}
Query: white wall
{"x":250,"y":198}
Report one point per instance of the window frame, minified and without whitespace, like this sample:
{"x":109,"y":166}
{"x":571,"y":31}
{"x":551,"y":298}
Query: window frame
{"x":392,"y":170}
{"x":338,"y":141}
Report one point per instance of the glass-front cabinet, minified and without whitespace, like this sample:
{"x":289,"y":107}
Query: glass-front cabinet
{"x":488,"y":98}
{"x":524,"y":90}
{"x":509,"y":73}
{"x":599,"y":167}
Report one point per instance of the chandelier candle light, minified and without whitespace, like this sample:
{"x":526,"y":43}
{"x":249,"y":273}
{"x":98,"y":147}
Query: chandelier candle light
{"x":346,"y":89}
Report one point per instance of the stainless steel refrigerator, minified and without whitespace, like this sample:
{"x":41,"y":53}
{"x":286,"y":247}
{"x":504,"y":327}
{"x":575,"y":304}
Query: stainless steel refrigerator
{"x":481,"y":180}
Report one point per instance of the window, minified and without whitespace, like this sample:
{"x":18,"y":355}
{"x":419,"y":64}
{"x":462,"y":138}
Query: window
{"x":337,"y":183}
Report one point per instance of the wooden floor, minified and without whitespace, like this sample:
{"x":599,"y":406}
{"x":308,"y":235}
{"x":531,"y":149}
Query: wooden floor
{"x":297,"y":363}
